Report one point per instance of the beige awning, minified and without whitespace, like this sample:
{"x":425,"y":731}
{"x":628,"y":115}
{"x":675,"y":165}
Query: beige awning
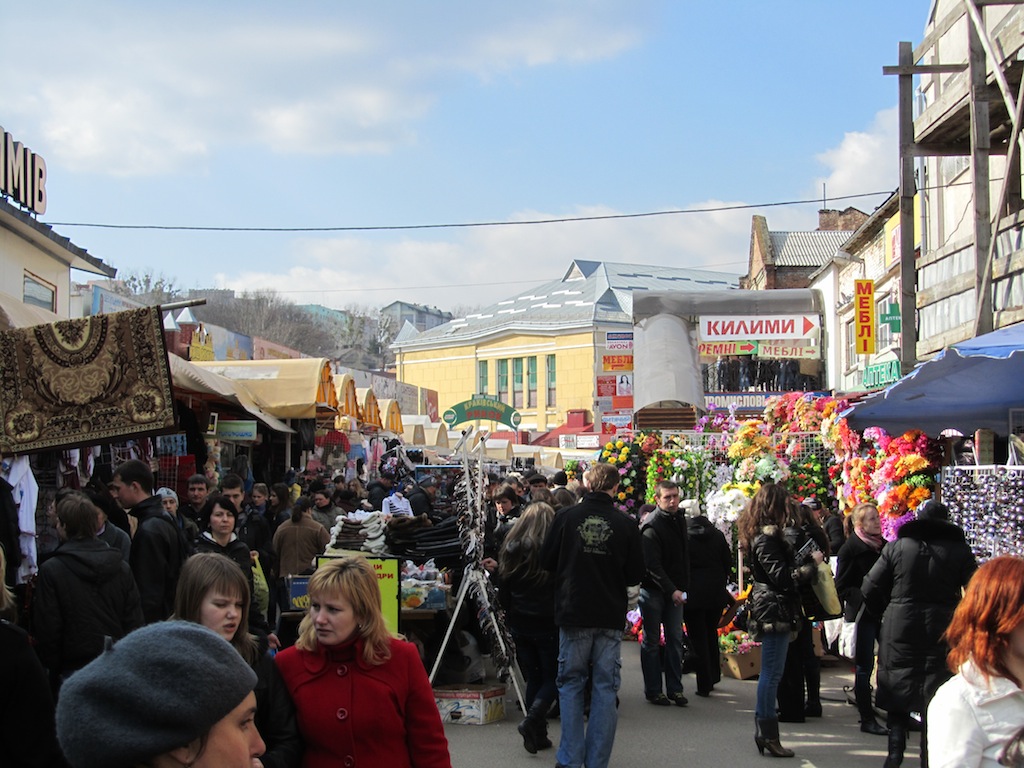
{"x":391,"y":415}
{"x":14,"y":313}
{"x":299,"y":388}
{"x":369,"y":410}
{"x":345,"y":388}
{"x":189,"y":378}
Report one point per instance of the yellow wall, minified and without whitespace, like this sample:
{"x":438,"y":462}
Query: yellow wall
{"x":452,"y":371}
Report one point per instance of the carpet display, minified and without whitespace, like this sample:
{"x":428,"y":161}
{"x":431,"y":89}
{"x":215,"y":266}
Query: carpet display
{"x":84,"y":381}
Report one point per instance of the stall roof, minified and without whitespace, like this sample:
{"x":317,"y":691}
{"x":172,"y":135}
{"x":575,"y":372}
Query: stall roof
{"x":14,"y":313}
{"x":297,"y":388}
{"x":391,"y":415}
{"x":190,"y":378}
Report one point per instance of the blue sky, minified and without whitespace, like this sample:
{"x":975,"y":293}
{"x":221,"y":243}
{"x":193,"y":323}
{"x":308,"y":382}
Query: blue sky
{"x":340,"y":114}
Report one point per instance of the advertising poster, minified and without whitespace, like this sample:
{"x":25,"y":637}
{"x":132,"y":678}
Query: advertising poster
{"x":606,"y":386}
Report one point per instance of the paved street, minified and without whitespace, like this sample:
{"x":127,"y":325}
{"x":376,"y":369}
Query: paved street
{"x":717,"y":731}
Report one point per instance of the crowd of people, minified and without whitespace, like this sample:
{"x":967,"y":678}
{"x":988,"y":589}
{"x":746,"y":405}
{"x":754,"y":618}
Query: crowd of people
{"x":170,"y":633}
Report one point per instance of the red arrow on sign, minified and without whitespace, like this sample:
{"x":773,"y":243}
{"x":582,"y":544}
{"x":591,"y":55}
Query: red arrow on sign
{"x":748,"y":347}
{"x":809,"y":325}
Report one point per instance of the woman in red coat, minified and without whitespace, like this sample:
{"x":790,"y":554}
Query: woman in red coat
{"x":362,"y":696}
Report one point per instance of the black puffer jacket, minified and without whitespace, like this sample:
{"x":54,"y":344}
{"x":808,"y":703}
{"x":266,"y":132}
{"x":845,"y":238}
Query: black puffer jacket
{"x":774,"y":602}
{"x":915,"y":586}
{"x":666,"y":553}
{"x":798,"y":536}
{"x":855,"y":560}
{"x":84,"y":592}
{"x":710,"y":562}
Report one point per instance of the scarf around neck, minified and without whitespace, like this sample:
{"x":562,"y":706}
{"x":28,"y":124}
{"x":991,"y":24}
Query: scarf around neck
{"x":873,"y":540}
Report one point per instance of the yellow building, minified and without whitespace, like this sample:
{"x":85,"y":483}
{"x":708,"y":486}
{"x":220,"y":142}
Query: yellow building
{"x":562,"y":346}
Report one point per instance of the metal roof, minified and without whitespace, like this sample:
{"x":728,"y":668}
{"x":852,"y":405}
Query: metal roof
{"x":589,"y":292}
{"x":806,"y":249}
{"x":43,"y":237}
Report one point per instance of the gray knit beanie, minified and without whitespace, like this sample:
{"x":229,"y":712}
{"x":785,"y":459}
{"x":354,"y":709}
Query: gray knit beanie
{"x":158,"y":688}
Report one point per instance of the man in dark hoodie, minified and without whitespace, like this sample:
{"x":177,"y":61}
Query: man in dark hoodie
{"x":710,"y":564}
{"x":156,"y":555}
{"x":84,"y":592}
{"x":662,"y":595}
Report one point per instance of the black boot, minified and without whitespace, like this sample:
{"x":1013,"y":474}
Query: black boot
{"x":767,"y":737}
{"x":897,"y":744}
{"x":868,"y":723}
{"x":534,"y":728}
{"x":813,"y":706}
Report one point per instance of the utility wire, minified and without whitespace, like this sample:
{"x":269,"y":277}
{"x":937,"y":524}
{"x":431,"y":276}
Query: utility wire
{"x":464,"y":225}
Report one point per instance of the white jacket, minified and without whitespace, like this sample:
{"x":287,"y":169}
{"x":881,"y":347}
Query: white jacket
{"x":970,"y":720}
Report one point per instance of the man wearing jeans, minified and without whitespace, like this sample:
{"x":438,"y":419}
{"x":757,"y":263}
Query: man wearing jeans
{"x":595,"y":553}
{"x":662,"y":594}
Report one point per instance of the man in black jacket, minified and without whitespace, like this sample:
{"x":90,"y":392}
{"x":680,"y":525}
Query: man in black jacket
{"x":595,"y":553}
{"x":156,"y":557}
{"x":84,"y":593}
{"x":662,"y":594}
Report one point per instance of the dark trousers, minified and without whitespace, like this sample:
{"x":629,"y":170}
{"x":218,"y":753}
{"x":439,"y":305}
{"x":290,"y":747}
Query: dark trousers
{"x":702,"y":633}
{"x":801,"y":665}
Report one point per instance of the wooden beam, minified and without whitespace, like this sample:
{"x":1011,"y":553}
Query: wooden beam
{"x":923,"y":69}
{"x":908,"y":188}
{"x":980,"y":133}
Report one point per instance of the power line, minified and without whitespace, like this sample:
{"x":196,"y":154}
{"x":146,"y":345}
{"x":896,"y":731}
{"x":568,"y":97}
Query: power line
{"x":463,"y":225}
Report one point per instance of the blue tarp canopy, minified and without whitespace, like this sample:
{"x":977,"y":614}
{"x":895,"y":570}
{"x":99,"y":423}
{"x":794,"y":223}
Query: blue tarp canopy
{"x":970,"y":385}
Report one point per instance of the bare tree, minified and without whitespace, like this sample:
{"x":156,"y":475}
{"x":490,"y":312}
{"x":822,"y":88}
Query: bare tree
{"x":147,"y":287}
{"x":269,"y":316}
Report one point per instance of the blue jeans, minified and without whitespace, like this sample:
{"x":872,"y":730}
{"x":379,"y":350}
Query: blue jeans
{"x":658,"y":610}
{"x":774,"y":647}
{"x":584,"y":652}
{"x":537,"y":654}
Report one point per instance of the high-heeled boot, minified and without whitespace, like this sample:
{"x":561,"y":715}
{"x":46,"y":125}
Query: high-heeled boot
{"x":868,"y":723}
{"x":766,"y":737}
{"x":813,"y":706}
{"x":897,"y":745}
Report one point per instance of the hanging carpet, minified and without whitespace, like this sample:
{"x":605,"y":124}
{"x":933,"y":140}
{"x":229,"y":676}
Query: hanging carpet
{"x":84,"y":381}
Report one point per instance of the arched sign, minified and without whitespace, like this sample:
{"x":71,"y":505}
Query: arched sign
{"x":483,"y":409}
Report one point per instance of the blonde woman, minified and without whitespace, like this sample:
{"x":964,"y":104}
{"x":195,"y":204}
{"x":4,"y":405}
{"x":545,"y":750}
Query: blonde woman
{"x":362,"y":695}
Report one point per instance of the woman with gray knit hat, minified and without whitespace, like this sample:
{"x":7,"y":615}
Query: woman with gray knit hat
{"x":169,"y":694}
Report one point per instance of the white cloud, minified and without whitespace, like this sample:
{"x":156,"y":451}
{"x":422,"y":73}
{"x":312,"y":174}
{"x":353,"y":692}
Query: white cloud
{"x":131,"y":89}
{"x":482,"y":266}
{"x":864,"y":161}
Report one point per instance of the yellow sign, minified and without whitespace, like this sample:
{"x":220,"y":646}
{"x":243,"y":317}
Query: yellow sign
{"x":789,"y":351}
{"x":864,"y":316}
{"x":617,"y":362}
{"x":719,"y":348}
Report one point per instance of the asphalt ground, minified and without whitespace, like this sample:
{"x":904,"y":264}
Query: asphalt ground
{"x":713,"y":731}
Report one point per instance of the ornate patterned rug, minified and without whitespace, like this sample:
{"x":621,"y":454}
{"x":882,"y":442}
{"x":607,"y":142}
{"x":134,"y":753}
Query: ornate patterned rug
{"x":84,"y":381}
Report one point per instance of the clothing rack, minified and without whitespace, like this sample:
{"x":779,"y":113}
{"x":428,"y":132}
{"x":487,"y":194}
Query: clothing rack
{"x":474,"y":576}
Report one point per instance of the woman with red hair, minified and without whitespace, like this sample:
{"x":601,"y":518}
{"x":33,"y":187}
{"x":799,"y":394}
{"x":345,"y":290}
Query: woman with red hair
{"x":974,"y":716}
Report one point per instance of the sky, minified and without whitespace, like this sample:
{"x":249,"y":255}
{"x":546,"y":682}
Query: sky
{"x":403,"y":116}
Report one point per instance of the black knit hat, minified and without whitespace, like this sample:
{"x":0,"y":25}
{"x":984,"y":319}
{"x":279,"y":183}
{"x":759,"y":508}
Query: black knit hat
{"x":159,"y":688}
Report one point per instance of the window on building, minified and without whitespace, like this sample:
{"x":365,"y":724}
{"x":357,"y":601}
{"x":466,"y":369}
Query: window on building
{"x":502,"y":376}
{"x":884,"y":335}
{"x":851,"y":345}
{"x":481,"y":377}
{"x":551,"y":381}
{"x":517,"y":382}
{"x":39,"y":293}
{"x":531,"y":382}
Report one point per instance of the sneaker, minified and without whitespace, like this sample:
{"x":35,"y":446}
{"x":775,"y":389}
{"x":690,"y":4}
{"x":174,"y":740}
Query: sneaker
{"x":660,"y":700}
{"x":679,"y":700}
